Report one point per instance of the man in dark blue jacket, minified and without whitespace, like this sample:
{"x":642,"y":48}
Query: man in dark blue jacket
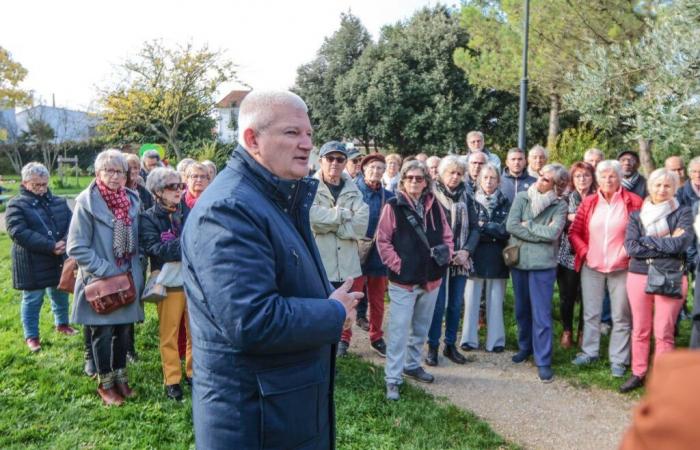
{"x":515,"y":177}
{"x":37,"y":223}
{"x":264,"y":321}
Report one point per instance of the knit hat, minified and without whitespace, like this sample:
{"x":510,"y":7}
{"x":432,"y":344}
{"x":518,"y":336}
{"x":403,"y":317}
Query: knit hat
{"x":371,"y":157}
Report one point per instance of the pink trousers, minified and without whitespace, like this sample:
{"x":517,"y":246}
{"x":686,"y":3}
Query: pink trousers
{"x":663,"y":318}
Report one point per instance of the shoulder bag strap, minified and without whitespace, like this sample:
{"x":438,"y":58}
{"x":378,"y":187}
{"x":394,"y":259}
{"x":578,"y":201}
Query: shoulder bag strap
{"x":416,"y":226}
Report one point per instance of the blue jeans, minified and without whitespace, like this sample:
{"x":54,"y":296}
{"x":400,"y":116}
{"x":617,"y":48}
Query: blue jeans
{"x":31,"y":309}
{"x":453,"y":312}
{"x":533,"y":290}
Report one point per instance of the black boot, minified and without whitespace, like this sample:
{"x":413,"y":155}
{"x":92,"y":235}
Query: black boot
{"x":89,"y":368}
{"x":431,"y":358}
{"x":451,"y":352}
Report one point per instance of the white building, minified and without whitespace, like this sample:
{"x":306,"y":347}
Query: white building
{"x":67,"y":124}
{"x":226,"y":115}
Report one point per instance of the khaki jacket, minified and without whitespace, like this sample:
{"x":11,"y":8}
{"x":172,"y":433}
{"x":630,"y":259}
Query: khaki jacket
{"x":337,"y":226}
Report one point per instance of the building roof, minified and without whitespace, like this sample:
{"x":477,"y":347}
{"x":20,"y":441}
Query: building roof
{"x":232,"y":99}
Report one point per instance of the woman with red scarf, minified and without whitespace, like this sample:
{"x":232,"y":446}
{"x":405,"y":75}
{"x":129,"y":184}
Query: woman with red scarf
{"x":103,"y":239}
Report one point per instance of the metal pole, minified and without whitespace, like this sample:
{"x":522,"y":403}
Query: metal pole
{"x":523,"y":80}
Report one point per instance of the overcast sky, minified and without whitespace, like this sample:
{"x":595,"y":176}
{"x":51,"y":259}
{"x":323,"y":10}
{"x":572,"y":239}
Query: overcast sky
{"x":71,"y":47}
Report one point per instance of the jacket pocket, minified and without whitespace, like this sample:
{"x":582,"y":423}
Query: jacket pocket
{"x":289,"y":399}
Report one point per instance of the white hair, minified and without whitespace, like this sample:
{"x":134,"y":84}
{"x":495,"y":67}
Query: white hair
{"x":183,"y":165}
{"x":664,"y":173}
{"x":693,"y":161}
{"x":431,"y":159}
{"x":111,"y":156}
{"x":560,"y":176}
{"x":593,"y":151}
{"x":477,"y":153}
{"x":157,"y":179}
{"x":34,"y":169}
{"x":608,"y":164}
{"x":488,"y":167}
{"x":451,"y":161}
{"x":538,"y":147}
{"x":257,"y":109}
{"x":475,"y":133}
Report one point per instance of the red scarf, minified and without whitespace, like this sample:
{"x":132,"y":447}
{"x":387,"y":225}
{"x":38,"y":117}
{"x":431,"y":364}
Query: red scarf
{"x":117,"y":202}
{"x":190,"y":199}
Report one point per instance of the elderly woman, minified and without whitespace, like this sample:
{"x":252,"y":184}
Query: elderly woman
{"x":597,"y":236}
{"x":490,"y":272}
{"x":197,"y":178}
{"x":182,"y":167}
{"x":339,"y":218}
{"x":391,"y":178}
{"x":535,"y":223}
{"x":136,"y":183}
{"x":37,"y":223}
{"x":211,"y":167}
{"x":657,"y":237}
{"x":374,"y":272}
{"x":159,"y":237}
{"x":568,"y":279}
{"x":449,"y":190}
{"x":415,"y":242}
{"x":103,"y":238}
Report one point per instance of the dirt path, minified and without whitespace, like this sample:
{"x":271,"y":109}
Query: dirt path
{"x":519,"y":407}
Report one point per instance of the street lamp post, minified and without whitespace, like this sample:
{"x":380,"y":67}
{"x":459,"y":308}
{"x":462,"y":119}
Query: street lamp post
{"x":523,"y":80}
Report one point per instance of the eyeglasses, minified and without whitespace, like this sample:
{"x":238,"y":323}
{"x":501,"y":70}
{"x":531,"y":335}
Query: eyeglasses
{"x":39,"y":185}
{"x":114,"y":172}
{"x":415,"y":178}
{"x":175,"y":186}
{"x":338,"y":159}
{"x":198,"y":177}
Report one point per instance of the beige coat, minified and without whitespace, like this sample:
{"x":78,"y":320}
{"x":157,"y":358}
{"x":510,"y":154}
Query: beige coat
{"x":337,"y":226}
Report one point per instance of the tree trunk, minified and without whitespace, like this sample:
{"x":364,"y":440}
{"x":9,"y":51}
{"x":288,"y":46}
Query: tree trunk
{"x":645,"y":159}
{"x":554,"y":107}
{"x":14,"y":155}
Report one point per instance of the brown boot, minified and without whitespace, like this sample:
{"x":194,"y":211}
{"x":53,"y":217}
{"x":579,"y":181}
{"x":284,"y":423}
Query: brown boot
{"x":566,"y":340}
{"x":121,"y":382}
{"x":108,"y":392}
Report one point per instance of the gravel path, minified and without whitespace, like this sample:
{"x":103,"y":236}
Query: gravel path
{"x":518,"y":406}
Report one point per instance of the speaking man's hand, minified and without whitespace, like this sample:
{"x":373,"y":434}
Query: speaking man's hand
{"x":349,"y":301}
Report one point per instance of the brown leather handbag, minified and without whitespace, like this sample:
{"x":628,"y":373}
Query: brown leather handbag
{"x":108,"y":294}
{"x":68,"y":275}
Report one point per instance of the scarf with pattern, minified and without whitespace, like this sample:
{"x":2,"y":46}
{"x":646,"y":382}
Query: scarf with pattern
{"x":123,"y":236}
{"x":628,"y":183}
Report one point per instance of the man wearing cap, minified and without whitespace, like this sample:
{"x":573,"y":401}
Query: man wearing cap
{"x":352,"y":167}
{"x":476,"y":143}
{"x":632,"y":180}
{"x":339,"y":219}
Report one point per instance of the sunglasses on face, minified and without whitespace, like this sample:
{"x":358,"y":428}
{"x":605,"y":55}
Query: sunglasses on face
{"x":415,"y":178}
{"x":338,"y":159}
{"x":175,"y":186}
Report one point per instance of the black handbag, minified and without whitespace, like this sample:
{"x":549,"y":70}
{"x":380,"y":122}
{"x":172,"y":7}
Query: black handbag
{"x":667,"y":283}
{"x":440,"y":253}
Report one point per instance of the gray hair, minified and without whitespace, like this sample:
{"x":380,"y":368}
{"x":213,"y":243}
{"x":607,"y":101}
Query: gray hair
{"x":110,"y":156}
{"x":560,"y":177}
{"x":210,"y":165}
{"x":593,"y":151}
{"x":34,"y":169}
{"x":477,"y":153}
{"x":196,"y":166}
{"x":488,"y":167}
{"x":664,"y":173}
{"x":132,"y":157}
{"x":608,"y":164}
{"x":694,"y":161}
{"x":475,"y":133}
{"x":538,"y":147}
{"x":157,"y":179}
{"x":183,"y":165}
{"x":413,"y":165}
{"x":451,"y":161}
{"x":257,"y":110}
{"x":431,"y":159}
{"x":149,"y":154}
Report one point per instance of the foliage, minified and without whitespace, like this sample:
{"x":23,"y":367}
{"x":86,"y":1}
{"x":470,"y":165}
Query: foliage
{"x":12,"y":74}
{"x":166,"y":96}
{"x":47,"y":402}
{"x":650,"y":88}
{"x":215,"y":151}
{"x":558,"y":28}
{"x":40,"y":134}
{"x":572,"y":143}
{"x":316,"y":80}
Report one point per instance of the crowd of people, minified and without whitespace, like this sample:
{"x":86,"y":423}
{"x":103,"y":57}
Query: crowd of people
{"x":441,"y":235}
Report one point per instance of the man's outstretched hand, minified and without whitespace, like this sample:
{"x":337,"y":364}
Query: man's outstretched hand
{"x":349,"y":301}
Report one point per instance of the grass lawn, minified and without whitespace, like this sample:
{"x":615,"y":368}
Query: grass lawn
{"x":598,"y":373}
{"x":47,"y":402}
{"x":69,"y":188}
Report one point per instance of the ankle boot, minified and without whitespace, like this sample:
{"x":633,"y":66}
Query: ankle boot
{"x":108,"y":392}
{"x":451,"y":353}
{"x":431,"y":358}
{"x":121,"y":383}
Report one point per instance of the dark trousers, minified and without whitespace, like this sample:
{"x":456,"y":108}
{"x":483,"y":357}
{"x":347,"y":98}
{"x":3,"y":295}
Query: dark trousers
{"x":109,"y":346}
{"x":450,"y":307}
{"x":569,"y":282}
{"x":533,"y":291}
{"x":87,"y":342}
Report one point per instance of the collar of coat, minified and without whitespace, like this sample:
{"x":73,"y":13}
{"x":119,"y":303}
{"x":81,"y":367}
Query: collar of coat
{"x":286,"y":193}
{"x":349,"y":185}
{"x":93,"y":202}
{"x":46,"y":198}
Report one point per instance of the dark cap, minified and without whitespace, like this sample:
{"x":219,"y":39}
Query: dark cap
{"x":371,"y":157}
{"x":333,"y":147}
{"x":353,"y":153}
{"x":628,"y":152}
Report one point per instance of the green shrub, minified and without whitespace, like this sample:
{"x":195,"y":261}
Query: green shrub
{"x":572,"y":143}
